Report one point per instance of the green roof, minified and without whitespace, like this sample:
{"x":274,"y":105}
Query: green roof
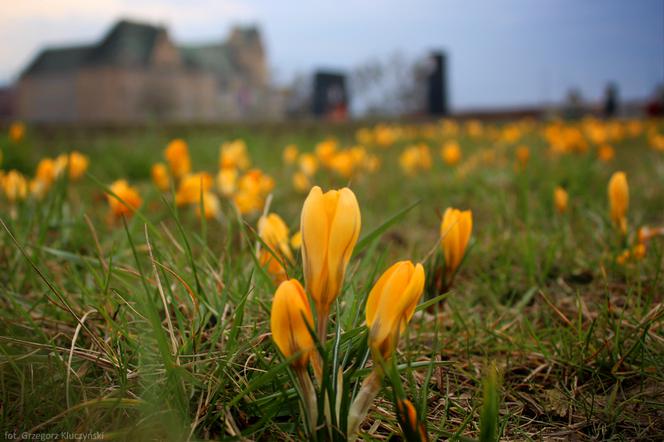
{"x":214,"y":58}
{"x":127,"y":44}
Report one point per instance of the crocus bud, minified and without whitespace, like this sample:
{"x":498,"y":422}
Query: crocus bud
{"x":618,"y":191}
{"x":455,"y":230}
{"x":391,"y":304}
{"x":330,"y":225}
{"x":560,"y":198}
{"x":412,"y":428}
{"x":288,"y":321}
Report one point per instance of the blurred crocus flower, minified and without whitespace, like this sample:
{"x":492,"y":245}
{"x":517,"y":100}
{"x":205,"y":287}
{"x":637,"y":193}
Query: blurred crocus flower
{"x":160,"y":176}
{"x":618,"y":192}
{"x":15,"y":186}
{"x":226,"y":181}
{"x":455,"y":230}
{"x":177,"y":156}
{"x":233,"y":155}
{"x":560,"y":199}
{"x":274,"y":233}
{"x":192,"y":187}
{"x":129,"y":199}
{"x":211,"y":206}
{"x":16,"y":132}
{"x":289,"y":154}
{"x":75,"y":162}
{"x":451,"y":153}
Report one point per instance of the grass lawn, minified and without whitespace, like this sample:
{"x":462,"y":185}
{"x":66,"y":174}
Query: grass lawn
{"x":157,"y":326}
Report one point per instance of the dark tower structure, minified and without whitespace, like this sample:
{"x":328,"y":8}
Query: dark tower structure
{"x":330,"y":97}
{"x":437,"y":85}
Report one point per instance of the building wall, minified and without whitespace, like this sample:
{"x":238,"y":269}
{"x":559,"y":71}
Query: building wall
{"x":47,"y":98}
{"x":119,"y":95}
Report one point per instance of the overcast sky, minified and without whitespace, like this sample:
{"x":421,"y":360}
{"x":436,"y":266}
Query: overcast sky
{"x":502,"y":52}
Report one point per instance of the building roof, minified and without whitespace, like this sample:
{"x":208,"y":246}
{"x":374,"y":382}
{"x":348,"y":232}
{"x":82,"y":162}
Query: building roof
{"x":215,"y":58}
{"x":126,"y":44}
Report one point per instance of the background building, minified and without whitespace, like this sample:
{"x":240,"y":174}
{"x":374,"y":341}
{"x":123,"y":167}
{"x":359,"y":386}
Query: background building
{"x":137,"y":73}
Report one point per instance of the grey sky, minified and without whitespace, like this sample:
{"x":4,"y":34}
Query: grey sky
{"x":502,"y":52}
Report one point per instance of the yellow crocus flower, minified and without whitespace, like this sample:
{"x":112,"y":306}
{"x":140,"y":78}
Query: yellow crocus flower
{"x":75,"y":162}
{"x":560,"y":198}
{"x":330,"y":226}
{"x":289,"y":154}
{"x":288,"y":320}
{"x":15,"y":186}
{"x":177,"y":156}
{"x":16,"y":132}
{"x":131,"y":199}
{"x":274,"y":233}
{"x":191,"y":187}
{"x":451,"y":153}
{"x":211,"y":206}
{"x":391,"y":304}
{"x":455,"y":230}
{"x":45,"y":171}
{"x":618,"y":191}
{"x":226,"y":181}
{"x":160,"y":176}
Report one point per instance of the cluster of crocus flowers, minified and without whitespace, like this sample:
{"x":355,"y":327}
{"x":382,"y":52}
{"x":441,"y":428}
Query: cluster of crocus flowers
{"x":273,"y":231}
{"x":191,"y":188}
{"x":17,"y":186}
{"x":638,"y":250}
{"x":246,"y":189}
{"x":123,"y":199}
{"x":75,"y":163}
{"x":14,"y":186}
{"x":330,"y":226}
{"x":345,"y":163}
{"x":455,"y":230}
{"x":252,"y":189}
{"x":618,"y":193}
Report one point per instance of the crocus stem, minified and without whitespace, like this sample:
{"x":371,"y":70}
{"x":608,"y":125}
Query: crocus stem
{"x":317,"y":361}
{"x":309,"y":398}
{"x":362,"y":403}
{"x":322,"y":327}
